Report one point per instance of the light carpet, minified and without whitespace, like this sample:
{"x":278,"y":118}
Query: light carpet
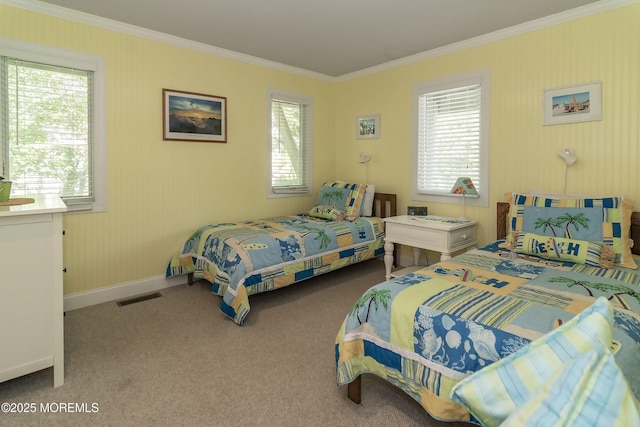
{"x":176,"y":360}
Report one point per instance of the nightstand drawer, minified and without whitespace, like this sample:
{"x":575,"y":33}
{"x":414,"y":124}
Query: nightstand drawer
{"x":462,"y":237}
{"x":417,"y":237}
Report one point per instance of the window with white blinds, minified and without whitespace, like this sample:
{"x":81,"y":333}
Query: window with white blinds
{"x":47,"y":126}
{"x":450,"y":135}
{"x":289,"y":144}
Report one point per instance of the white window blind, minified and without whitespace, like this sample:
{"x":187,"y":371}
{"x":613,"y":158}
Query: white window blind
{"x":451,"y":136}
{"x":290,"y":144}
{"x":47,"y":129}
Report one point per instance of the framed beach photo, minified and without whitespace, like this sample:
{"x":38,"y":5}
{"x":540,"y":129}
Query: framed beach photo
{"x":189,"y":116}
{"x":572,"y":104}
{"x":368,"y":127}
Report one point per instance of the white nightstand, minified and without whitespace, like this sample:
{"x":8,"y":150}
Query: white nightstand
{"x":440,"y":234}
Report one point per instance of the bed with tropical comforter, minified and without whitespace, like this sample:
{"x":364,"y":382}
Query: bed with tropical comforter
{"x":531,"y":327}
{"x":248,"y":257}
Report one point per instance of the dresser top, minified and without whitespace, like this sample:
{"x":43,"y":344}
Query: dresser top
{"x":43,"y":203}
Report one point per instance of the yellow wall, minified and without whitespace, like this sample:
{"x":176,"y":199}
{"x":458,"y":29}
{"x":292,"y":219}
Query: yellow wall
{"x":159,"y":191}
{"x":603,"y":47}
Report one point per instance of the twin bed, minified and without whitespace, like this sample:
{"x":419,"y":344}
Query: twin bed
{"x":455,"y":335}
{"x":485,"y":337}
{"x":249,"y":257}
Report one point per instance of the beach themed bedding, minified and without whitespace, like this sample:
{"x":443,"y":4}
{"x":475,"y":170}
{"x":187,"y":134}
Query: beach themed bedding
{"x":248,"y":257}
{"x":604,"y":221}
{"x":495,"y":331}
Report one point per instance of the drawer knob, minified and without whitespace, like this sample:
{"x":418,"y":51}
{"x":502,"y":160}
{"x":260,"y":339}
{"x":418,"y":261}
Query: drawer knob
{"x":464,"y":237}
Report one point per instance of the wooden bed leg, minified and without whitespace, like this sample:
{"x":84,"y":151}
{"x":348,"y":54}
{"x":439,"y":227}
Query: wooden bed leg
{"x":190,"y":279}
{"x":354,"y":390}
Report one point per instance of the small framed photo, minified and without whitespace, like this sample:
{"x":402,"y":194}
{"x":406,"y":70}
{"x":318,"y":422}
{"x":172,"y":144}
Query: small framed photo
{"x":368,"y":127}
{"x":189,"y":116}
{"x":572,"y":104}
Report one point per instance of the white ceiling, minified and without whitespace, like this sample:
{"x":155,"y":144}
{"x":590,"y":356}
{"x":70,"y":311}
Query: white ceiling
{"x":330,"y":37}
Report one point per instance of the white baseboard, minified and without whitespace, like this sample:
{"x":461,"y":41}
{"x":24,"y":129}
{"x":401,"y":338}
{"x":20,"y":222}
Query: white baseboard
{"x":118,"y":292}
{"x":127,"y":290}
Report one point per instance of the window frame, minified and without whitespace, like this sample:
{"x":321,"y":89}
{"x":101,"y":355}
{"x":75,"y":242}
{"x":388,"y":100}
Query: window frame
{"x":298,"y":99}
{"x":475,"y":77}
{"x":66,"y":58}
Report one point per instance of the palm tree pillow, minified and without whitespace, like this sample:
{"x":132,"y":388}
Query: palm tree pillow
{"x":342,"y":196}
{"x":558,"y":226}
{"x":572,"y":250}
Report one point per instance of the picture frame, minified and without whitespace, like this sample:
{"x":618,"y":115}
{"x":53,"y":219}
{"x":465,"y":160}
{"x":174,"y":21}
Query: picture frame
{"x":368,"y":127}
{"x":573,"y":104}
{"x":190,"y":116}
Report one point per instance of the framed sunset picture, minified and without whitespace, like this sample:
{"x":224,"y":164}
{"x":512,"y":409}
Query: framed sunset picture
{"x":189,"y":116}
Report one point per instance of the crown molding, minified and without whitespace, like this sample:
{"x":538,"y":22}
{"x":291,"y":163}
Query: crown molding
{"x":132,"y":30}
{"x":109,"y":24}
{"x":527,"y":27}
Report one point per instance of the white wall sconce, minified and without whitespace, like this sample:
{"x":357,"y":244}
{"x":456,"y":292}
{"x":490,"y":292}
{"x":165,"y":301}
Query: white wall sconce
{"x":364,"y":158}
{"x":569,"y":157}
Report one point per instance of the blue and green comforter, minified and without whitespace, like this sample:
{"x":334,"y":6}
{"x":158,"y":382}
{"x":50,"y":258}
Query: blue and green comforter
{"x":427,"y":330}
{"x":245,"y":258}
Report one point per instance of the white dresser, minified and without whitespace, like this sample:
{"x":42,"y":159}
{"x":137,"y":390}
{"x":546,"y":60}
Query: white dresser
{"x":31,"y":294}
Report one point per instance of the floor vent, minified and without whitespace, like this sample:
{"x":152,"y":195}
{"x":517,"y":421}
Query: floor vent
{"x":139,"y":299}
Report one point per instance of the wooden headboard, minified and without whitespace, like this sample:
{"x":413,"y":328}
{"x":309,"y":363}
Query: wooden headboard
{"x":502,"y":211}
{"x":384,"y":205}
